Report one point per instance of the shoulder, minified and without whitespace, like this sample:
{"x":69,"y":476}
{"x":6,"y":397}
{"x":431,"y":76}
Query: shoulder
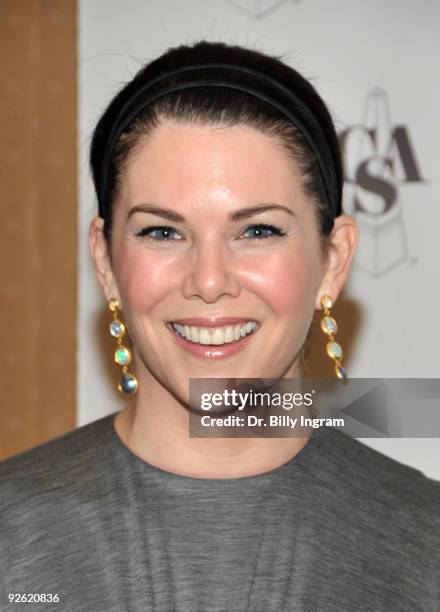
{"x":49,"y":496}
{"x":374,"y":479}
{"x":66,"y":458}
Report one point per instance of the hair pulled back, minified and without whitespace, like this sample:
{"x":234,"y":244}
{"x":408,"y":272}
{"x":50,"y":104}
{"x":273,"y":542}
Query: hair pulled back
{"x":217,"y":106}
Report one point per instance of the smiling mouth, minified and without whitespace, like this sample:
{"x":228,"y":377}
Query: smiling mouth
{"x":216,"y":336}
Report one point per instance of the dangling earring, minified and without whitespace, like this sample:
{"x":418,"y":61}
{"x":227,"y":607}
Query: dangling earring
{"x":329,"y":327}
{"x":128,"y":383}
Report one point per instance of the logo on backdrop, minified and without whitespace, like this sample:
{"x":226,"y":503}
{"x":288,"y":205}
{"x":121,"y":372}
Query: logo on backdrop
{"x":259,"y":8}
{"x":380,"y":159}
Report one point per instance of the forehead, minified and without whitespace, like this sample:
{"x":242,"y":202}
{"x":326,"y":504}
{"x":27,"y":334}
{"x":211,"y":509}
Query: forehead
{"x":187,"y":161}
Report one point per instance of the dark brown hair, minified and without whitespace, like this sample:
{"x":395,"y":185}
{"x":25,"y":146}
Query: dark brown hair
{"x":213,"y":106}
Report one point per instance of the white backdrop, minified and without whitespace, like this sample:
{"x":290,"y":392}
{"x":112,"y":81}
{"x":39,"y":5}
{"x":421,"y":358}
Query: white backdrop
{"x":374,"y":64}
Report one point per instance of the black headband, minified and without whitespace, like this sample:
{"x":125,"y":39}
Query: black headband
{"x":239,"y":78}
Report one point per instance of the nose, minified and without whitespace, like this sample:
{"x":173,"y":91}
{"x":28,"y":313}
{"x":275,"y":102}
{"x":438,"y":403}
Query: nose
{"x":211,"y":272}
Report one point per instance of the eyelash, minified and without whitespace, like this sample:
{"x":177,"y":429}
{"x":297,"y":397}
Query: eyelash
{"x":147,"y":231}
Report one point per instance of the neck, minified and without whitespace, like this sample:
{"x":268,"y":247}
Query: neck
{"x":155,"y":427}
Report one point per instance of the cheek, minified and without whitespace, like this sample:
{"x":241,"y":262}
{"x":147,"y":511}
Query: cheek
{"x":283,"y":280}
{"x":145,"y":281}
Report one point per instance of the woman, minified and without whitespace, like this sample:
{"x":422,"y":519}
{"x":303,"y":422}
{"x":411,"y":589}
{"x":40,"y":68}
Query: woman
{"x":220,"y":231}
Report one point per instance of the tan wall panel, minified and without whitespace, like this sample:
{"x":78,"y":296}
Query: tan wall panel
{"x":38,"y":232}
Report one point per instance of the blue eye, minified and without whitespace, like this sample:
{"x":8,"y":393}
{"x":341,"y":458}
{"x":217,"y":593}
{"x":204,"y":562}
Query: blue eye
{"x":161,"y":233}
{"x":262,"y":230}
{"x":158,"y":232}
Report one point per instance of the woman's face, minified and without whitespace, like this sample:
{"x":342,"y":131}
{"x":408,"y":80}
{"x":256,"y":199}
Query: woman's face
{"x":212,"y":223}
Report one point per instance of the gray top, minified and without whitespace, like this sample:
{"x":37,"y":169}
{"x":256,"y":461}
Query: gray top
{"x":338,"y":528}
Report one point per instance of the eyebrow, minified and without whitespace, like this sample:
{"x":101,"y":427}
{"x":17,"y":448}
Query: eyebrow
{"x":238,"y":215}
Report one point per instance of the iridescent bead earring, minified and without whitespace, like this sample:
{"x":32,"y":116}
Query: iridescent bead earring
{"x":128,"y":383}
{"x":329,"y":327}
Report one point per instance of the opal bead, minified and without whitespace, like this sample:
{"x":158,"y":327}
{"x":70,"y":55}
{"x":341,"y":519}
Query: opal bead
{"x":334,"y":350}
{"x":328,"y":325}
{"x":341,"y":372}
{"x":128,"y":384}
{"x":122,"y":356}
{"x":117,"y":328}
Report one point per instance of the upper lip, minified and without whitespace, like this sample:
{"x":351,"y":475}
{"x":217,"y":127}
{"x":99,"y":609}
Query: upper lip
{"x":211,"y":321}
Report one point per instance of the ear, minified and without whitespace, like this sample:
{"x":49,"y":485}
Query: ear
{"x":343,"y":242}
{"x":101,"y":258}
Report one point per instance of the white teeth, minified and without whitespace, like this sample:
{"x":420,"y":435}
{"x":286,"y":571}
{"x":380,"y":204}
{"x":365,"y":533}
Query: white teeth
{"x":229,"y":334}
{"x":204,"y":337}
{"x":237,"y":332}
{"x":215,"y":335}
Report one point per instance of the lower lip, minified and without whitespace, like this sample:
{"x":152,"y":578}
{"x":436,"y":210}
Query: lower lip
{"x":212,"y":351}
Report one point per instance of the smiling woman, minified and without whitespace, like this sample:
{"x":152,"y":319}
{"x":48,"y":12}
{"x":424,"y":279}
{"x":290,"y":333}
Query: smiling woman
{"x":238,"y":248}
{"x":220,"y":232}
